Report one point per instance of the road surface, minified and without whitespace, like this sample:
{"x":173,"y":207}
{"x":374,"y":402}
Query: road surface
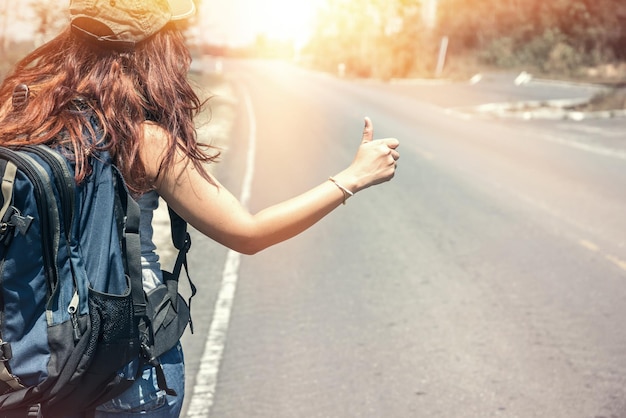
{"x":487,"y":279}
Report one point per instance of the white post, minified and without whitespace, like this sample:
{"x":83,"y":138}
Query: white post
{"x":443,"y":50}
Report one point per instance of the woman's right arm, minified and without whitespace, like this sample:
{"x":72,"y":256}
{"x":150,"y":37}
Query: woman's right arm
{"x":210,"y":208}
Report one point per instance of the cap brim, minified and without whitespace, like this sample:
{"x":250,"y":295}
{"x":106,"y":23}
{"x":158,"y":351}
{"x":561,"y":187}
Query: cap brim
{"x":182,"y":9}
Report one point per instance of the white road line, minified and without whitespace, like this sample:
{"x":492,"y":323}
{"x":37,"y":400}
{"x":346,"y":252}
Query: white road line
{"x":203,"y":395}
{"x":594,"y":248}
{"x":592,"y":148}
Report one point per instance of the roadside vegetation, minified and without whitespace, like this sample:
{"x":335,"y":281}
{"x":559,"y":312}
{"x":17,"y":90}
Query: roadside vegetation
{"x":396,"y":38}
{"x":577,"y":40}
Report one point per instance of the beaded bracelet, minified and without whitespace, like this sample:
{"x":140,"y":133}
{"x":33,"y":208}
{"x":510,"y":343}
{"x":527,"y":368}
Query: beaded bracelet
{"x":346,"y":193}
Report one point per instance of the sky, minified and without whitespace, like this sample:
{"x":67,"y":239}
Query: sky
{"x":234,"y":22}
{"x":240,"y":21}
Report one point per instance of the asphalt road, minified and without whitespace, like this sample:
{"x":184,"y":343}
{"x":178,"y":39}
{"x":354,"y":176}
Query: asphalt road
{"x":487,"y":279}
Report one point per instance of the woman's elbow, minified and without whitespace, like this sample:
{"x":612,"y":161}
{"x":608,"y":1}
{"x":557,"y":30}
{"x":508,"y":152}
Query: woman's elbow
{"x":248,"y":250}
{"x":246,"y":246}
{"x":248,"y":241}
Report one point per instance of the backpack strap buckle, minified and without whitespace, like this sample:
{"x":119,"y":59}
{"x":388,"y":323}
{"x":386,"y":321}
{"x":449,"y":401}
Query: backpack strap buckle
{"x":8,"y":382}
{"x":21,"y":96}
{"x":31,"y":411}
{"x":34,"y":411}
{"x":5,"y":351}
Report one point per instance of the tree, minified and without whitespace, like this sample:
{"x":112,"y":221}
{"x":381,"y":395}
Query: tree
{"x":379,"y":38}
{"x":4,"y":25}
{"x":581,"y":32}
{"x":51,"y":17}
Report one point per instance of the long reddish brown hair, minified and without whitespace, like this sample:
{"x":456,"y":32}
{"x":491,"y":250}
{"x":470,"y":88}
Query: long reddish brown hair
{"x":122,"y":89}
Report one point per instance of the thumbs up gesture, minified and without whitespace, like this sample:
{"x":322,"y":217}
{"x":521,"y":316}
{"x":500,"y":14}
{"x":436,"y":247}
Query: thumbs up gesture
{"x":375,"y":161}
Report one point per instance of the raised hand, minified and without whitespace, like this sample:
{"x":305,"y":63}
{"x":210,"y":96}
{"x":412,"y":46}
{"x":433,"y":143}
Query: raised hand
{"x":376,"y":159}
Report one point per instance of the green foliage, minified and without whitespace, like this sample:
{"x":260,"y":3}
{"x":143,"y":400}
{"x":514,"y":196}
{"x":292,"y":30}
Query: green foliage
{"x":372,"y":38}
{"x":387,"y":38}
{"x":557,"y":36}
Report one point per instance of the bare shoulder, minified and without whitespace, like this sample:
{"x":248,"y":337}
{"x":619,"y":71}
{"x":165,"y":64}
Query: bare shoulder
{"x":153,"y":149}
{"x":154,"y":135}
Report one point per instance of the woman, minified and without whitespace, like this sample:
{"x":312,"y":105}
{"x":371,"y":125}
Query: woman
{"x":126,"y":62}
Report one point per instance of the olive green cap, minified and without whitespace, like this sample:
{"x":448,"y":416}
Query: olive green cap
{"x":121,"y":24}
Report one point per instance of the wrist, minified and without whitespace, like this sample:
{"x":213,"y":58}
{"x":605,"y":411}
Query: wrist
{"x":347,"y":193}
{"x":348,"y":181}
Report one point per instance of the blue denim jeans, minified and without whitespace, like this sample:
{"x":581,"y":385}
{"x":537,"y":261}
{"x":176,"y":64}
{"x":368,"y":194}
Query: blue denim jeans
{"x":144,"y":398}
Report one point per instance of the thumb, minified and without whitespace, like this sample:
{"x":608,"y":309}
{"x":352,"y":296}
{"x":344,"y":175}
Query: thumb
{"x":368,"y":131}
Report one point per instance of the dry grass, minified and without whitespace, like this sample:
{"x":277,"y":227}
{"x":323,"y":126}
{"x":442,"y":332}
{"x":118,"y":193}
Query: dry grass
{"x":614,"y":99}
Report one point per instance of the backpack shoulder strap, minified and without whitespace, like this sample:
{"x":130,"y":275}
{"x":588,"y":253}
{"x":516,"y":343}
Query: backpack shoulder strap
{"x":132,"y":244}
{"x":182,"y":242}
{"x":9,"y":171}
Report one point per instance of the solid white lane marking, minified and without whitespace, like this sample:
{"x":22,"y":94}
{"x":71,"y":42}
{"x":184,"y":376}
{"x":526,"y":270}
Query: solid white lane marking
{"x":203,"y":395}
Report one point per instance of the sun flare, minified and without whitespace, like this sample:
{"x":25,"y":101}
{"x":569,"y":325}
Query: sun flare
{"x":240,"y":22}
{"x":285,"y":20}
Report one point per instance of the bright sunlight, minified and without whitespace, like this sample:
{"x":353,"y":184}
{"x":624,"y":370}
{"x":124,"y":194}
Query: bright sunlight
{"x":286,"y":20}
{"x":240,"y":21}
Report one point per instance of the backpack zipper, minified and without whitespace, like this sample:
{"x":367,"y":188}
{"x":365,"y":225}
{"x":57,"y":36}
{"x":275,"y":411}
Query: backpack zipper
{"x":65,"y":185}
{"x":35,"y":172}
{"x":72,"y":309}
{"x":63,"y":179}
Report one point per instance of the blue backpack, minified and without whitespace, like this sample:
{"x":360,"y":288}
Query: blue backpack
{"x":75,"y":324}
